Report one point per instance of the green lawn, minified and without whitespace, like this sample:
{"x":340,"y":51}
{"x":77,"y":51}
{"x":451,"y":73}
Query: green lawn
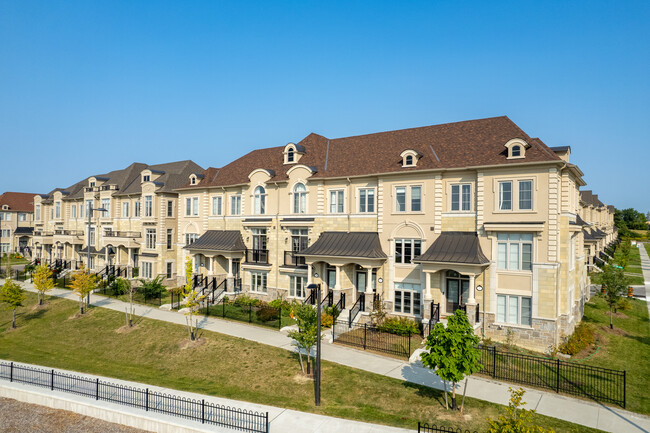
{"x":3,"y":261}
{"x":156,"y":353}
{"x":626,"y":347}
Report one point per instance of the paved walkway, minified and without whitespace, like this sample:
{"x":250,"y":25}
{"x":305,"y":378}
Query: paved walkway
{"x":582,"y":412}
{"x":645,"y":268}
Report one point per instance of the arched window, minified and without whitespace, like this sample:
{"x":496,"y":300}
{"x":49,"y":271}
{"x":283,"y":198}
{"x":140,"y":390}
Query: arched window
{"x":408,"y":160}
{"x":299,"y":198}
{"x":260,"y":200}
{"x":290,"y":155}
{"x":516,"y":150}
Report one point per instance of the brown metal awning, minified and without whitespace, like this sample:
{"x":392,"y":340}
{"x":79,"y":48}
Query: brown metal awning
{"x":454,"y":247}
{"x":219,"y":240}
{"x":364,"y":245}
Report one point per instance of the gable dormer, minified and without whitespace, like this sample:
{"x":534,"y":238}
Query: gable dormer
{"x":293,"y":153}
{"x":410,"y":158}
{"x":516,"y":148}
{"x":5,"y":207}
{"x":195,"y":178}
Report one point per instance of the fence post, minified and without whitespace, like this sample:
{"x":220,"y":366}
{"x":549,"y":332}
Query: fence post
{"x":418,"y":426}
{"x":494,"y":361}
{"x":365,"y":335}
{"x":203,"y":411}
{"x":97,"y":389}
{"x":280,"y":317}
{"x":52,"y":381}
{"x":250,"y":311}
{"x":266,"y":422}
{"x":624,"y":389}
{"x":146,"y":401}
{"x":408,"y":355}
{"x":11,"y":372}
{"x":557,"y":381}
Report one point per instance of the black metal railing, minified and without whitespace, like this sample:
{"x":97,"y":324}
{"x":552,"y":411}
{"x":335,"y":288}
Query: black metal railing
{"x":328,"y":300}
{"x":197,"y":410}
{"x":236,"y":285}
{"x":369,"y":337}
{"x":358,"y":306}
{"x":311,"y":299}
{"x":340,"y":306}
{"x":424,"y":427}
{"x":257,"y":256}
{"x":435,"y":316}
{"x":290,"y":259}
{"x":600,"y":384}
{"x":69,"y":232}
{"x":255,"y":313}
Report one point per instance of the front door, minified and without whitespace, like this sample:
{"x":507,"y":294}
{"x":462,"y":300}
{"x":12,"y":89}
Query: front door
{"x":331,"y":278}
{"x":361,"y":282}
{"x":457,"y":291}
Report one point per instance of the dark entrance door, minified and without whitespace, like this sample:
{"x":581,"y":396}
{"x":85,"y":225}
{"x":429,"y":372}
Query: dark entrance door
{"x":331,"y":277}
{"x":457,"y":290}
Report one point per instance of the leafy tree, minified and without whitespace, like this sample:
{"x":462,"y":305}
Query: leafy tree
{"x":452,"y":352}
{"x":306,"y":336}
{"x":518,"y":420}
{"x":615,"y":282}
{"x":192,"y":301}
{"x":82,"y":283}
{"x":43,"y":282}
{"x":13,"y":295}
{"x":630,"y":218}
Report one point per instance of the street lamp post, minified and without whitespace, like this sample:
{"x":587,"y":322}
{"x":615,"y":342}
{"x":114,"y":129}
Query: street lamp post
{"x":90,"y":213}
{"x":317,"y":367}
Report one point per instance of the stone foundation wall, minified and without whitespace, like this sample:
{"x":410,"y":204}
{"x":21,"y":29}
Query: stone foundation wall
{"x":540,"y":336}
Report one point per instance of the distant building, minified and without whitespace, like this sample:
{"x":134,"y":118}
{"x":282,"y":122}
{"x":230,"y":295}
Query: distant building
{"x":16,"y":222}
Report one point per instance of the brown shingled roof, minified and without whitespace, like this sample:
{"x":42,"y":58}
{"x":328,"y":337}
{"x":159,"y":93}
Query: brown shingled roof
{"x":18,"y":201}
{"x":452,"y":145}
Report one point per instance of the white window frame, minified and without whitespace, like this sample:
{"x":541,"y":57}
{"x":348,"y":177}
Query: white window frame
{"x":169,"y":270}
{"x":506,"y":310}
{"x":505,"y":246}
{"x":170,"y":208}
{"x":407,"y":293}
{"x":259,"y":200}
{"x":91,"y":233}
{"x":463,"y":194}
{"x":190,"y":238}
{"x":106,"y":204}
{"x":336,"y":201}
{"x":125,"y":209}
{"x":147,"y":270}
{"x":297,"y":290}
{"x":300,"y":198}
{"x":414,"y":245}
{"x":502,"y":193}
{"x":137,"y":208}
{"x":22,"y":216}
{"x":367,"y":200}
{"x":148,"y":206}
{"x":259,"y":282}
{"x":6,"y":233}
{"x":57,"y":210}
{"x":38,"y":212}
{"x":519,"y":192}
{"x":235,"y":204}
{"x":170,"y":239}
{"x":408,"y":205}
{"x":217,"y":205}
{"x":73,"y":211}
{"x":150,"y":239}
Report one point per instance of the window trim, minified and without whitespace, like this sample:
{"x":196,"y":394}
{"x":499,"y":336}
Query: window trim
{"x":520,"y":308}
{"x":217,"y":205}
{"x":413,"y":294}
{"x":238,"y":199}
{"x":374,"y":200}
{"x":515,"y":194}
{"x":461,"y":194}
{"x":149,"y":238}
{"x":299,"y":198}
{"x":520,"y":253}
{"x":408,"y":198}
{"x":264,"y":281}
{"x":412,"y":246}
{"x":259,"y":200}
{"x":340,"y":200}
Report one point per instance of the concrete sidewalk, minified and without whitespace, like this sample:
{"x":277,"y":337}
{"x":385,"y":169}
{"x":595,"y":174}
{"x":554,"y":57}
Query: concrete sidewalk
{"x":591,"y":414}
{"x":645,"y":268}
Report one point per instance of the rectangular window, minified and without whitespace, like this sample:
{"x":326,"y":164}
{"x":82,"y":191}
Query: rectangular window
{"x":38,"y":212}
{"x":106,"y":204}
{"x":170,"y":270}
{"x":505,"y":195}
{"x":170,"y":209}
{"x":148,"y":206}
{"x":460,"y":197}
{"x":336,"y":201}
{"x":150,"y":239}
{"x":6,"y":233}
{"x":4,"y":248}
{"x":297,"y":286}
{"x":147,"y":270}
{"x":91,"y":234}
{"x":299,"y":239}
{"x":73,"y":210}
{"x":416,"y":199}
{"x":57,"y":210}
{"x":235,"y":205}
{"x":400,"y":199}
{"x":515,"y":251}
{"x":22,"y":217}
{"x":407,"y":249}
{"x":136,"y":208}
{"x":525,"y":195}
{"x":190,"y":238}
{"x":366,"y":200}
{"x":125,"y":209}
{"x":170,"y":239}
{"x":258,"y":282}
{"x":408,"y":299}
{"x":516,"y":310}
{"x":216,"y":205}
{"x":188,"y":206}
{"x":195,"y":206}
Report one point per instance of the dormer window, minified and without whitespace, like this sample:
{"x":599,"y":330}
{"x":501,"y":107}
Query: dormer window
{"x":516,"y":148}
{"x":192,"y":180}
{"x":410,"y":158}
{"x":91,"y":184}
{"x":146,"y":178}
{"x":290,"y":155}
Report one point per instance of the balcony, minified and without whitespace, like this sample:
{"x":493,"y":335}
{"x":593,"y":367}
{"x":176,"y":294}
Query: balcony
{"x":122,"y":234}
{"x":69,"y":236}
{"x":127,"y":239}
{"x":257,"y":257}
{"x":293,"y":261}
{"x":68,"y":232}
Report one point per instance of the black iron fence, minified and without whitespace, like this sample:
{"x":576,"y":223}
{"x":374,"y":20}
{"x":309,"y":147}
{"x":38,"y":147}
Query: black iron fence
{"x":261,"y":314}
{"x":600,"y":384}
{"x":197,"y":410}
{"x":369,"y":337}
{"x":358,"y":306}
{"x":423,"y":427}
{"x":139,"y":296}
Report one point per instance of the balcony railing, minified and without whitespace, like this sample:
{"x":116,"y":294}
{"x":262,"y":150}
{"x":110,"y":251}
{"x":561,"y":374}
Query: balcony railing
{"x":123,"y":234}
{"x":290,"y":259}
{"x":257,"y":256}
{"x":43,"y":233}
{"x":68,"y":232}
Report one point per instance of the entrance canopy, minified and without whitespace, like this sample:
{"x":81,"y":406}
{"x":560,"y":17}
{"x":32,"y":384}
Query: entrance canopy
{"x":455,"y":247}
{"x":339,"y":248}
{"x":219,"y":240}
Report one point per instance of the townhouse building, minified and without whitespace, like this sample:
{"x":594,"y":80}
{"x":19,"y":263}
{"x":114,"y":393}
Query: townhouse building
{"x":16,"y":222}
{"x":599,"y":229}
{"x":125,"y":219}
{"x":473,"y":215}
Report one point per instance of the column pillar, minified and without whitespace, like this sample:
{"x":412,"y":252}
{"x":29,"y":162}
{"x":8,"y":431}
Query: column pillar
{"x":309,"y":272}
{"x":229,"y":267}
{"x":471,"y":302}
{"x":337,"y":286}
{"x":369,"y":291}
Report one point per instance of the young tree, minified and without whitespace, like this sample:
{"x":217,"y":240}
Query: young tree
{"x":82,"y":283}
{"x":306,"y":336}
{"x":43,"y":282}
{"x":615,"y":282}
{"x":378,"y":313}
{"x":452,"y":352}
{"x":518,"y":420}
{"x":192,"y":301}
{"x":13,"y":295}
{"x":124,"y":286}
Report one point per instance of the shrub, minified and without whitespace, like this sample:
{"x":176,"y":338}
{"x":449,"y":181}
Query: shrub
{"x":280,"y":303}
{"x":246,"y":301}
{"x":117,"y":287}
{"x":152,"y":288}
{"x":583,"y":336}
{"x":332,"y":311}
{"x":266,"y":313}
{"x":400,"y":326}
{"x":326,"y":320}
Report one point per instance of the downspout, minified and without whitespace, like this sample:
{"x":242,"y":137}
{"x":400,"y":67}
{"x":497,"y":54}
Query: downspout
{"x":223,"y":209}
{"x":277,"y":238}
{"x":349,"y":204}
{"x":557,"y":304}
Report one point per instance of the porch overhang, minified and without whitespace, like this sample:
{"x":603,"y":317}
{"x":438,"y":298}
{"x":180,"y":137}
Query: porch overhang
{"x":459,"y":251}
{"x":224,"y":242}
{"x":340,"y":248}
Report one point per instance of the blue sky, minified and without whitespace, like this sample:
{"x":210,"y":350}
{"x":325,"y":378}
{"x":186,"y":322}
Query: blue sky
{"x":209,"y":81}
